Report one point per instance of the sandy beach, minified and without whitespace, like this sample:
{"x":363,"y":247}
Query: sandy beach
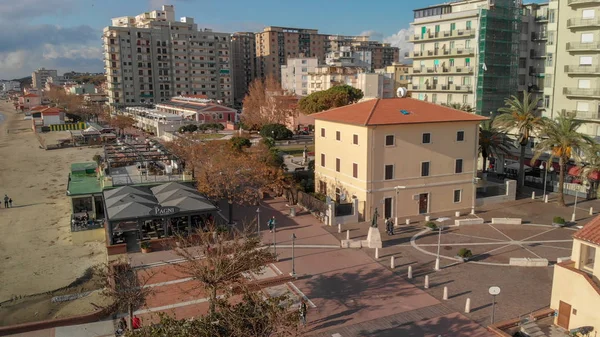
{"x":36,"y":252}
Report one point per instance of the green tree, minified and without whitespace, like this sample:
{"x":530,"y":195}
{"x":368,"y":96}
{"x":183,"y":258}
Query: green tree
{"x":589,"y":165}
{"x":333,"y":97}
{"x":520,"y":117}
{"x":458,"y":106}
{"x":239,"y":143}
{"x":492,"y":141}
{"x":561,"y":140}
{"x":276,"y":131}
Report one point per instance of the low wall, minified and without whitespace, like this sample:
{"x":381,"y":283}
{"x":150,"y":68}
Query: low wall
{"x":527,"y":262}
{"x":507,"y":221}
{"x":53,"y":323}
{"x":81,"y":237}
{"x":468,"y":222}
{"x":511,"y":195}
{"x":120,"y":248}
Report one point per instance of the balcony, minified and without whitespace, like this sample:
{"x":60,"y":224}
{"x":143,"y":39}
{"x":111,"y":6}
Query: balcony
{"x":541,"y":18}
{"x":536,"y":72}
{"x":536,"y":55}
{"x":448,"y":34}
{"x":579,"y":92}
{"x":578,"y":46}
{"x":582,"y":70}
{"x":539,"y":36}
{"x":583,"y":23}
{"x":442,"y":52}
{"x":442,"y":88}
{"x":584,"y":115}
{"x":583,"y":2}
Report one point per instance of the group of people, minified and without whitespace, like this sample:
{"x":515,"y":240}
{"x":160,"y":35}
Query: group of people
{"x":7,"y":201}
{"x":389,"y":226}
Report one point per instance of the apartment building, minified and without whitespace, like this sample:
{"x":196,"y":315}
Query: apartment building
{"x":361,"y":153}
{"x":151,"y":57}
{"x":243,"y":50}
{"x":40,"y":77}
{"x":294,"y":75}
{"x":573,"y":62}
{"x":346,"y":56}
{"x":275,"y":44}
{"x":466,"y":52}
{"x":10,"y":86}
{"x":400,"y":74}
{"x":576,"y":282}
{"x":325,"y":77}
{"x":532,"y":49}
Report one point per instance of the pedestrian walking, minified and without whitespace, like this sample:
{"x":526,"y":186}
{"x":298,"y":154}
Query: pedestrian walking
{"x":387,"y":226}
{"x":271,"y":224}
{"x":391,"y":226}
{"x":303,"y":310}
{"x":10,"y":202}
{"x":6,"y":198}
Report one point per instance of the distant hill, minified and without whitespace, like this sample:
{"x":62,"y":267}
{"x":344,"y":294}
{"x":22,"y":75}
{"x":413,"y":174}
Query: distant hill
{"x":25,"y":81}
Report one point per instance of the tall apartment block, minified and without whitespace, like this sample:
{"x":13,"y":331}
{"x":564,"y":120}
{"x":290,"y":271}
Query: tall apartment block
{"x":151,"y":57}
{"x":294,"y":75}
{"x":532,"y":49}
{"x":243,"y":49}
{"x":467,"y":52}
{"x":573,"y":61}
{"x":275,"y":44}
{"x":40,"y":77}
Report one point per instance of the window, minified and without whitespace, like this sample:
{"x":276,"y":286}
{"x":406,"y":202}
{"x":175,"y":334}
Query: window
{"x":587,"y":37}
{"x":588,"y":14}
{"x":434,"y":98}
{"x":546,"y":101}
{"x":322,"y":132}
{"x":584,"y":84}
{"x":425,"y":169}
{"x":549,"y":60}
{"x":453,"y":26}
{"x":465,"y":99}
{"x":355,"y":170}
{"x":389,"y":140}
{"x":551,"y":15}
{"x":322,"y":160}
{"x":468,"y":24}
{"x":355,"y":139}
{"x":426,"y":138}
{"x":457,"y":195}
{"x":522,"y":62}
{"x":583,"y":106}
{"x":460,"y":136}
{"x":458,"y":167}
{"x":467,"y":44}
{"x":338,"y":135}
{"x":585,"y":60}
{"x":389,"y":172}
{"x":588,"y":257}
{"x":337,"y":164}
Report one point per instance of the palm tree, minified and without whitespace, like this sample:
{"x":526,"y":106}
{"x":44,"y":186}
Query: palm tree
{"x":589,"y":165}
{"x":458,"y":106}
{"x":562,"y":141}
{"x":492,"y":141}
{"x":519,"y":116}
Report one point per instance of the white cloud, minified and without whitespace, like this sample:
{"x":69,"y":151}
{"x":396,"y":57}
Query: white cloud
{"x":372,"y":34}
{"x":26,"y":9}
{"x":401,"y":40}
{"x":71,"y":52}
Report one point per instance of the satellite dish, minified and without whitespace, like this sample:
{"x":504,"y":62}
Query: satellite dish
{"x":401,"y":92}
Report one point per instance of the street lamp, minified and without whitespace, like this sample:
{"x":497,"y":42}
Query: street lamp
{"x":437,"y":259}
{"x":475,"y":180}
{"x":258,"y":220}
{"x":397,"y":188}
{"x":575,"y":205}
{"x":293,"y":273}
{"x":274,"y":238}
{"x":551,"y":168}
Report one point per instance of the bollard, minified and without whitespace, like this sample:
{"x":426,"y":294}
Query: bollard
{"x":407,"y":221}
{"x":376,"y":253}
{"x":533,"y":195}
{"x":339,"y":228}
{"x":445,"y":294}
{"x":573,"y":217}
{"x":392,"y":264}
{"x":468,"y":306}
{"x":427,"y":218}
{"x":591,"y":210}
{"x":457,"y":214}
{"x":347,"y":234}
{"x":426,"y":281}
{"x":410,"y":272}
{"x":546,"y":198}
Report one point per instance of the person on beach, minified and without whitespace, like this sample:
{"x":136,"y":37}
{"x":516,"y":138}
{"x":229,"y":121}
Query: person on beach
{"x":6,"y":198}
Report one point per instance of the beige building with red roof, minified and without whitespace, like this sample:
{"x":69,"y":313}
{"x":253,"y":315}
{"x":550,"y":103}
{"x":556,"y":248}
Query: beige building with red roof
{"x":576,"y":283}
{"x":28,"y":101}
{"x":400,"y":155}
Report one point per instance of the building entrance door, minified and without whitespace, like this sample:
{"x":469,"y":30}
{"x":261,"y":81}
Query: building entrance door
{"x":564,"y":315}
{"x":387,"y":209}
{"x":423,"y":203}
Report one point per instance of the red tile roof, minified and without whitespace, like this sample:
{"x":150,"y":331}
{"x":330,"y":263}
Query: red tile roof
{"x":590,"y":232}
{"x":31,"y":95}
{"x":39,"y":108}
{"x":196,"y":96}
{"x":388,"y":112}
{"x":51,"y":111}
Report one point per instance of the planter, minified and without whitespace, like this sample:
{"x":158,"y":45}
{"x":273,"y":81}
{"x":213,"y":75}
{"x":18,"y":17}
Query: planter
{"x":146,"y":250}
{"x":554,"y":224}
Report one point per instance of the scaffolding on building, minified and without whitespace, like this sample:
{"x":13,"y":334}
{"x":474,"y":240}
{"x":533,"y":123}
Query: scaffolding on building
{"x":499,"y":39}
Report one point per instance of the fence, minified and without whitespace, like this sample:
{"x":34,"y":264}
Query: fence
{"x":66,"y":127}
{"x":311,"y":203}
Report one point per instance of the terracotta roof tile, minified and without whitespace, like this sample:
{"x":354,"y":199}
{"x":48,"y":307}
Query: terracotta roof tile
{"x":31,"y":95}
{"x":39,"y":108}
{"x":51,"y":111}
{"x":393,"y":111}
{"x":590,"y":232}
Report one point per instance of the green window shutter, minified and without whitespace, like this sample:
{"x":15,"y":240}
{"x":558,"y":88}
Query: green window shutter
{"x":437,"y":28}
{"x":436,"y":62}
{"x":452,"y":26}
{"x":468,"y":24}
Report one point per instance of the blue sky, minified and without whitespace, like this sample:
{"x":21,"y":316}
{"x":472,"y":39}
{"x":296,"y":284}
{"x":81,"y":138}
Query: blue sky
{"x":65,"y":34}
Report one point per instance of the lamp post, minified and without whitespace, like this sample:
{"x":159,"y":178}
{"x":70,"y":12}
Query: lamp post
{"x":258,"y":220}
{"x":437,"y":259}
{"x":293,"y":273}
{"x":397,"y":188}
{"x":274,"y":238}
{"x":551,"y":168}
{"x":475,"y":180}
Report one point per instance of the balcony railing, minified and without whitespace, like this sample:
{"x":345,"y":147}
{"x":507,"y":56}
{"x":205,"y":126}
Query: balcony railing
{"x":536,"y":55}
{"x":539,"y":36}
{"x":583,"y":114}
{"x":538,"y":72}
{"x":582,"y":2}
{"x":442,"y":87}
{"x":443,"y":34}
{"x":582,"y":69}
{"x":442,"y":52}
{"x":572,"y":23}
{"x":572,"y":46}
{"x":592,"y":92}
{"x":541,"y":18}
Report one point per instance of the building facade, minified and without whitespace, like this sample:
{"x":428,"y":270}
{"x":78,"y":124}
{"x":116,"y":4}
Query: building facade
{"x":573,"y":62}
{"x":243,"y":53}
{"x":532,"y":49}
{"x":347,"y":57}
{"x":325,"y":77}
{"x":360,"y":152}
{"x":400,"y":74}
{"x":576,"y":282}
{"x":40,"y":77}
{"x":151,"y":57}
{"x":294,"y":75}
{"x":466,"y":52}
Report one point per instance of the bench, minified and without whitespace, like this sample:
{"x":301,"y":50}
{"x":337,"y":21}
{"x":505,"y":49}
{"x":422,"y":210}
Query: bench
{"x":468,"y":222}
{"x":528,"y":262}
{"x":507,"y":221}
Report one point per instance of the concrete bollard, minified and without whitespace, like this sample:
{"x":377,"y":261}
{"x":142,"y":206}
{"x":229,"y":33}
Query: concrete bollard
{"x":396,"y":221}
{"x":457,"y":214}
{"x":445,"y":294}
{"x":426,"y":281}
{"x":427,"y":218}
{"x":573,"y":217}
{"x":533,"y":195}
{"x":392,"y":263}
{"x":410,"y":272}
{"x":468,"y":306}
{"x":376,"y":253}
{"x":347,"y":234}
{"x":591,"y":210}
{"x":407,"y":221}
{"x":546,"y":198}
{"x":339,"y":228}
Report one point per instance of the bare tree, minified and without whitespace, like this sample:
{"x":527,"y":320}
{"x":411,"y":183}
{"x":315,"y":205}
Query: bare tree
{"x":267,"y":103}
{"x":126,"y":287}
{"x":122,"y":122}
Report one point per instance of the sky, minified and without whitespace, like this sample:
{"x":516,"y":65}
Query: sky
{"x":66,"y":34}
